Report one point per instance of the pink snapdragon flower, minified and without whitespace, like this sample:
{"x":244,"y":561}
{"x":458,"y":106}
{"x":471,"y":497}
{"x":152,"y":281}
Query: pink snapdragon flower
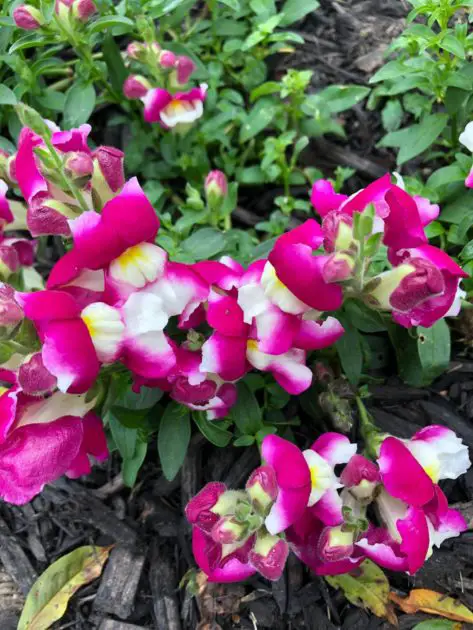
{"x":28,"y":17}
{"x":42,"y":439}
{"x":173,"y":110}
{"x":80,"y":10}
{"x":14,"y":252}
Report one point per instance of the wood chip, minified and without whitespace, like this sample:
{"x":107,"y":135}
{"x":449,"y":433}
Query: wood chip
{"x":14,"y":560}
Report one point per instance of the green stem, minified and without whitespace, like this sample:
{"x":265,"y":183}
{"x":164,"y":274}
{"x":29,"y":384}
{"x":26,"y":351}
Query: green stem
{"x":368,"y":429}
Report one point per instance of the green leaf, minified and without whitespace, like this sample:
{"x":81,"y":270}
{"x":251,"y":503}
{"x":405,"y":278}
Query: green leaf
{"x":434,"y":348}
{"x":437,"y":624}
{"x":211,"y":430}
{"x":295,"y":10}
{"x":116,"y":68}
{"x":349,"y":350}
{"x":260,"y":116}
{"x":244,"y":440}
{"x":173,"y":438}
{"x":108,"y":21}
{"x":7,"y":96}
{"x":51,"y":99}
{"x":79,"y":104}
{"x":263,"y":6}
{"x":453,"y":45}
{"x":270,"y":87}
{"x":364,"y":318}
{"x":444,"y":176}
{"x":417,"y":138}
{"x":391,"y":70}
{"x":366,"y":586}
{"x":456,"y":210}
{"x":30,"y":40}
{"x":407,"y":356}
{"x":231,"y":4}
{"x":246,"y":413}
{"x":131,"y":467}
{"x":124,"y":437}
{"x":392,"y":115}
{"x":337,"y":98}
{"x":251,"y":175}
{"x":50,"y":594}
{"x":204,"y":243}
{"x":147,"y":398}
{"x":262,"y":250}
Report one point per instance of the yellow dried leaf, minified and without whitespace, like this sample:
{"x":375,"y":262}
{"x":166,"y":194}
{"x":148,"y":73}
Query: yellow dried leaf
{"x":366,"y":587}
{"x":421,"y":599}
{"x":50,"y":594}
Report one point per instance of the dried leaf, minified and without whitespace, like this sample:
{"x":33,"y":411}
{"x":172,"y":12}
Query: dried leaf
{"x":50,"y":594}
{"x":366,"y":587}
{"x":422,"y":599}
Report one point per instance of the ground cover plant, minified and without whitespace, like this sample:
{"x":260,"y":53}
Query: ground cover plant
{"x":141,"y":317}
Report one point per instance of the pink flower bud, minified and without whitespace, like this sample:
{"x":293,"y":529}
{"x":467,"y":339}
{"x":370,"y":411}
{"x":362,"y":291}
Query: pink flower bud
{"x":108,"y":176}
{"x":216,"y":188}
{"x":34,"y":378}
{"x":167,"y":59}
{"x":78,"y":164}
{"x":335,"y":544}
{"x":184,"y":69}
{"x":262,"y":488}
{"x":269,"y":556}
{"x":11,"y":169}
{"x":339,"y":267}
{"x":83,"y":9}
{"x":136,"y":86}
{"x":199,"y":509}
{"x":338,"y":232}
{"x":9,"y":261}
{"x":361,"y":475}
{"x":136,"y":50}
{"x":228,"y":531}
{"x":187,"y":394}
{"x":406,"y":286}
{"x":27,"y":17}
{"x":11,"y":312}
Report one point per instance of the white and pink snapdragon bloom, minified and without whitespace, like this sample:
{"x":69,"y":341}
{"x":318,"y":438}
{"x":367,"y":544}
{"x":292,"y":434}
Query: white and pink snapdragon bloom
{"x":15,"y":252}
{"x":296,"y":502}
{"x":423,"y":284}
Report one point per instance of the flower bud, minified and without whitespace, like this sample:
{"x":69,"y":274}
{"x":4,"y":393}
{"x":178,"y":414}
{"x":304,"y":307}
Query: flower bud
{"x":11,"y":312}
{"x":29,"y":117}
{"x":10,"y":171}
{"x":136,"y":50}
{"x":335,"y":544}
{"x":199,"y":509}
{"x":339,"y":267}
{"x":406,"y":286}
{"x":228,"y":531}
{"x":269,"y":555}
{"x":136,"y":86}
{"x":262,"y":488}
{"x":34,"y":378}
{"x":9,"y":261}
{"x":361,"y":476}
{"x":216,"y":188}
{"x":27,"y":17}
{"x":184,"y":69}
{"x":167,"y":59}
{"x":108,"y":176}
{"x":83,"y":9}
{"x":338,"y":231}
{"x":78,"y":165}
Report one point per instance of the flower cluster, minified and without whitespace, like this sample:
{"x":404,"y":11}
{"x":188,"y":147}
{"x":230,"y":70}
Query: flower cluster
{"x":67,"y":13}
{"x":164,"y":100}
{"x":295,"y":501}
{"x":116,"y":301}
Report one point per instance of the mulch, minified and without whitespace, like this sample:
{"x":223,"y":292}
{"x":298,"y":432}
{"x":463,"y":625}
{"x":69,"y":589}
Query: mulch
{"x":150,"y":579}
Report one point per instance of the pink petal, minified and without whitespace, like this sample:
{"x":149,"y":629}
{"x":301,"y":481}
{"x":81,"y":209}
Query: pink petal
{"x":402,"y":227}
{"x":316,"y":335}
{"x":301,"y":273}
{"x":225,"y":316}
{"x":198,"y":510}
{"x":402,"y":475}
{"x":415,"y":538}
{"x":225,"y":356}
{"x":232,"y":571}
{"x":328,"y":509}
{"x":69,"y":354}
{"x":6,"y":215}
{"x":72,"y":140}
{"x":46,"y":306}
{"x":149,"y":355}
{"x":35,"y":455}
{"x":309,"y":233}
{"x":217,"y":273}
{"x":30,"y":181}
{"x":374,"y":193}
{"x":41,"y":219}
{"x":275,"y":330}
{"x":293,"y":477}
{"x":385,"y":551}
{"x":155,"y":101}
{"x":34,"y":378}
{"x":195,"y":94}
{"x":94,"y":444}
{"x":428,"y":212}
{"x":469,"y":179}
{"x":8,"y":407}
{"x":324,"y":198}
{"x":334,"y":448}
{"x":359,"y":469}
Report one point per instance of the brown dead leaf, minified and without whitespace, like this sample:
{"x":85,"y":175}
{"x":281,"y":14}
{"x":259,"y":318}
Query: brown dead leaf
{"x":421,"y":599}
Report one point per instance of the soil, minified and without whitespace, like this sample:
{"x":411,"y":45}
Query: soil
{"x":143,"y":585}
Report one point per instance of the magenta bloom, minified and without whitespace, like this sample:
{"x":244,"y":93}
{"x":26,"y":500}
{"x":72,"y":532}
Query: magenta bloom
{"x":27,"y":17}
{"x":182,"y":108}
